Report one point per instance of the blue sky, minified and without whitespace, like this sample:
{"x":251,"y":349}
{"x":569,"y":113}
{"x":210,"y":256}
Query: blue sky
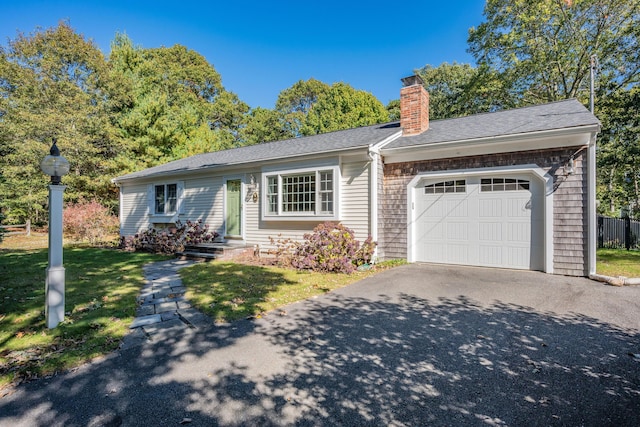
{"x":263,"y":47}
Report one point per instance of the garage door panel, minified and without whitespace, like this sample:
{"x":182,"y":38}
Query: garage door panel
{"x":457,"y":208}
{"x":517,"y":256}
{"x":492,"y":227}
{"x":457,"y":253}
{"x":458,"y":231}
{"x":433,"y":231}
{"x":488,"y":254}
{"x":433,"y":253}
{"x":434,"y":209}
{"x":490,"y":231}
{"x":518,"y":233}
{"x":518,"y":208}
{"x":490,"y":208}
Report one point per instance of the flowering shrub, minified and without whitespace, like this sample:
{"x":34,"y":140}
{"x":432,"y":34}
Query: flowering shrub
{"x":331,"y":248}
{"x":171,"y":240}
{"x":89,"y":221}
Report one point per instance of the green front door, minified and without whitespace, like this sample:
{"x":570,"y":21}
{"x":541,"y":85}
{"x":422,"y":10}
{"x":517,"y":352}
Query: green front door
{"x":234,"y":211}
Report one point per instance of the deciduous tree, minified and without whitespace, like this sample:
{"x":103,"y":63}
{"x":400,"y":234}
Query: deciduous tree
{"x":264,"y":125}
{"x":53,"y":83}
{"x":542,"y":48}
{"x":294,"y":103}
{"x":343,"y":107}
{"x":619,"y":153}
{"x":457,"y":90}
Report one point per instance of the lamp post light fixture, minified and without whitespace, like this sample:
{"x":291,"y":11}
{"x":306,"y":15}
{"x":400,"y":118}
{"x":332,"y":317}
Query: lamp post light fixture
{"x":55,"y":166}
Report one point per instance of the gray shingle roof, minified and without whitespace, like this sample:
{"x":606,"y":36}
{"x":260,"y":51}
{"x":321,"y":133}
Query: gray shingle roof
{"x":556,"y":115}
{"x":316,"y":144}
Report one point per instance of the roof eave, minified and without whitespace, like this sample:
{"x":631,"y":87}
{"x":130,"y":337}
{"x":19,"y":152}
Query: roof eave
{"x":236,"y":165}
{"x":592,"y":128}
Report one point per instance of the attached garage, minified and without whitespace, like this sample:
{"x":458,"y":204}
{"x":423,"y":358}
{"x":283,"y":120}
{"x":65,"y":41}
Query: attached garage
{"x":485,"y":217}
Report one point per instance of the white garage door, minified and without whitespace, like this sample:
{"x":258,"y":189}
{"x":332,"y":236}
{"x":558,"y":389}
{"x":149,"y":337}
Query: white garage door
{"x":483,"y":221}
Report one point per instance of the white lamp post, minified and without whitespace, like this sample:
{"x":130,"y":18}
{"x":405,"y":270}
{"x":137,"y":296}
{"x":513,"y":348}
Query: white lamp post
{"x":55,"y":166}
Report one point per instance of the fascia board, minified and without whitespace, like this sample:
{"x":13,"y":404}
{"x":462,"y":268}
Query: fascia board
{"x":514,"y":138}
{"x":487,"y":146}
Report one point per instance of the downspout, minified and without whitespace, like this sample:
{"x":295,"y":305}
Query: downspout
{"x":592,"y":224}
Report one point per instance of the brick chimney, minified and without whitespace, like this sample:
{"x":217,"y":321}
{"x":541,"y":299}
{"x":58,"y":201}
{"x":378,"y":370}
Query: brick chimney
{"x":414,"y":106}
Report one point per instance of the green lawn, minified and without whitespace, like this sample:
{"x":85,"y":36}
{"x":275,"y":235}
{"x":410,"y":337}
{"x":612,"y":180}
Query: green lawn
{"x":101,"y":290}
{"x":227,"y":291}
{"x":618,"y":262}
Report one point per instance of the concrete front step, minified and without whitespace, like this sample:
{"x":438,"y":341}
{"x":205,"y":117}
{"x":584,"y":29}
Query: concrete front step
{"x":210,"y":251}
{"x":205,"y":248}
{"x":199,"y":256}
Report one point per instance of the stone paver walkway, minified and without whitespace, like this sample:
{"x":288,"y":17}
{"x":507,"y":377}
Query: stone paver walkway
{"x":162,"y":307}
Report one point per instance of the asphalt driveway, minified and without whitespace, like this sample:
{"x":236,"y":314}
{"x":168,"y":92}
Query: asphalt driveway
{"x":418,"y":345}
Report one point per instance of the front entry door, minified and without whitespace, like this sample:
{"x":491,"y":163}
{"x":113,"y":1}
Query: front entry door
{"x":234,"y":208}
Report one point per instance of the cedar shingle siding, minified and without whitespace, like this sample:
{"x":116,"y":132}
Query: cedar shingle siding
{"x":569,"y":201}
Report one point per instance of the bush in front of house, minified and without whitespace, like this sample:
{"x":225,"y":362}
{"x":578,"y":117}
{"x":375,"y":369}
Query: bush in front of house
{"x":89,"y":221}
{"x":170,"y":240}
{"x":332,"y":248}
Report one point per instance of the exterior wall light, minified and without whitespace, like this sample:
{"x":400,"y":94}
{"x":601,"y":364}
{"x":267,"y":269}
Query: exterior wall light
{"x":568,"y":168}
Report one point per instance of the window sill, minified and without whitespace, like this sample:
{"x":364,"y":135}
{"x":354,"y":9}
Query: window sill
{"x":164,"y":218}
{"x":300,"y":218}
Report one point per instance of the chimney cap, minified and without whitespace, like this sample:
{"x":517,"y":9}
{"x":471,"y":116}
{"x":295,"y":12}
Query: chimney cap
{"x":412,"y":80}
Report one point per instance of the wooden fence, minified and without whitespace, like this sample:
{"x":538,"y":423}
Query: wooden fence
{"x":17,"y":229}
{"x":618,"y":233}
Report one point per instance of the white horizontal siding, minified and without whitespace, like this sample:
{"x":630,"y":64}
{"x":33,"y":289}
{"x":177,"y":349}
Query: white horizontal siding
{"x":354,"y":198}
{"x":134,"y":215}
{"x":204,"y":199}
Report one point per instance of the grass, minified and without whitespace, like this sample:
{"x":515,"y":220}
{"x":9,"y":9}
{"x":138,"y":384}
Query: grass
{"x":101,"y":290}
{"x":618,"y":262}
{"x":227,"y":291}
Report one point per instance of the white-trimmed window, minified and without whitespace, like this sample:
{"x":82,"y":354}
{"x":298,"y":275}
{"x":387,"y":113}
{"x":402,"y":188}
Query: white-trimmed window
{"x":503,"y":184}
{"x":457,"y":186}
{"x":165,"y":199}
{"x":301,"y":193}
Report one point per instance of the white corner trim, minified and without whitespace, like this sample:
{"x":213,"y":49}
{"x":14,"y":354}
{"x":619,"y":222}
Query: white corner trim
{"x":529,"y":169}
{"x":592,"y":221}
